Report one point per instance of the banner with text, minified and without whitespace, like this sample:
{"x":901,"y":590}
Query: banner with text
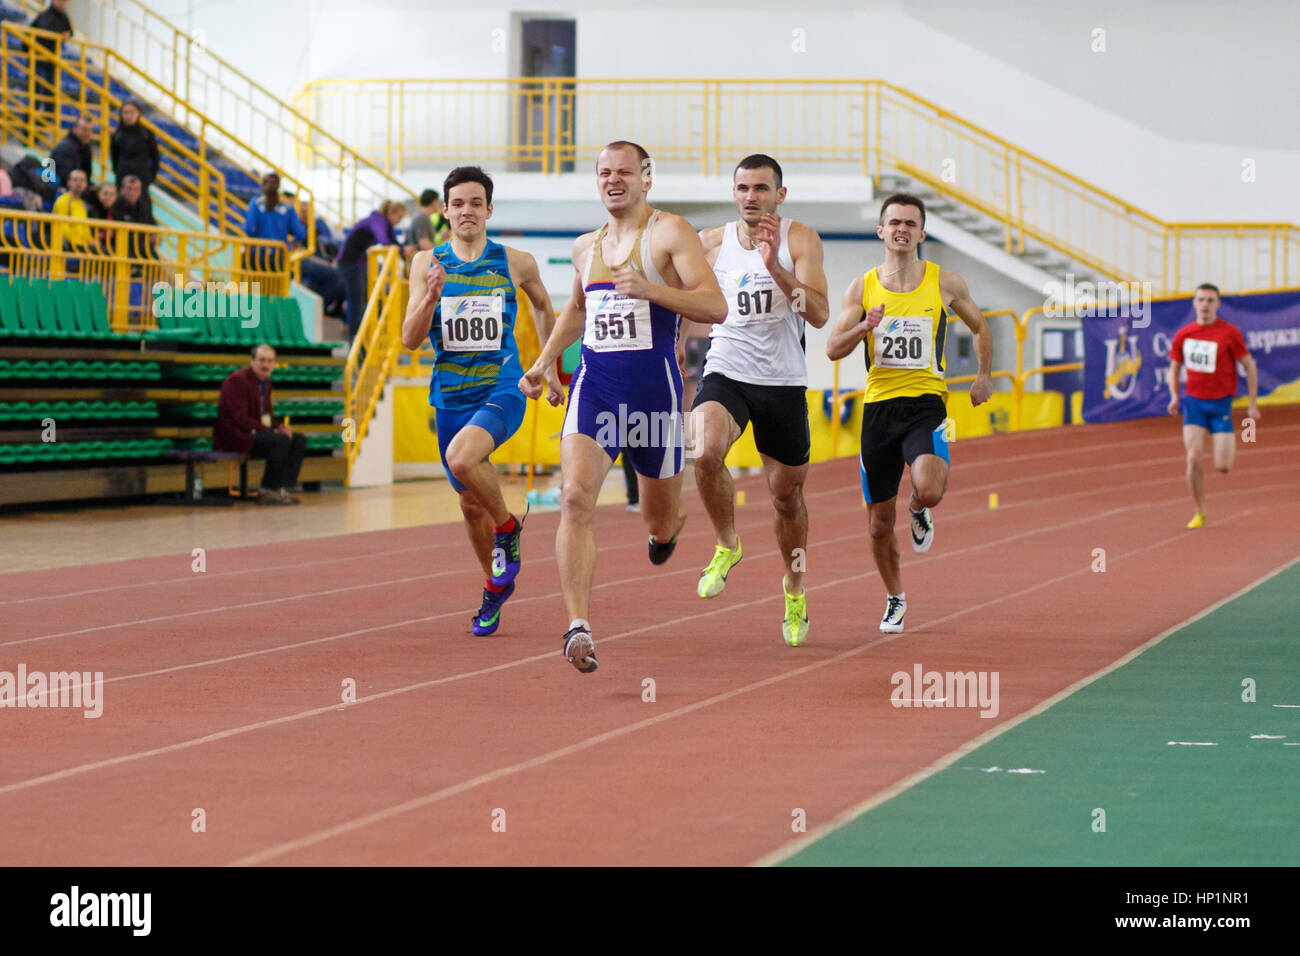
{"x":1126,"y":357}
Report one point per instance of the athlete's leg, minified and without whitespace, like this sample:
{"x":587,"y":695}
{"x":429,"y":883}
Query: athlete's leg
{"x":1194,"y":443}
{"x":1225,"y":450}
{"x":715,"y":432}
{"x":929,"y":481}
{"x":884,"y":543}
{"x":585,"y":465}
{"x":467,"y":460}
{"x":785,"y":482}
{"x":662,"y":508}
{"x":479,"y":525}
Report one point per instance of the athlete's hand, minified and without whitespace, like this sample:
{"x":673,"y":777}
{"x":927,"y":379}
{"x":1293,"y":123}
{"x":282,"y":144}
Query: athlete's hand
{"x":769,"y":241}
{"x":531,"y":383}
{"x":631,"y":283}
{"x":873,"y":317}
{"x":1173,"y":406}
{"x":554,"y":390}
{"x":434,"y":279}
{"x":980,"y":390}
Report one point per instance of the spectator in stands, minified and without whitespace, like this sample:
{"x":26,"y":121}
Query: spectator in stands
{"x":73,"y":151}
{"x":318,"y":272}
{"x":245,"y":417}
{"x":134,"y":149}
{"x":270,"y":217}
{"x":78,"y":238}
{"x":133,"y":206}
{"x":55,"y":19}
{"x":376,"y":229}
{"x":99,"y":205}
{"x":99,"y":201}
{"x":429,"y":227}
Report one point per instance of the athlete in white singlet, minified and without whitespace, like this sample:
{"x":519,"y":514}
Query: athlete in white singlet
{"x":770,"y":270}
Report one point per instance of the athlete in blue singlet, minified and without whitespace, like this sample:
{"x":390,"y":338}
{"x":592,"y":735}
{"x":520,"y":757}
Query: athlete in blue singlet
{"x":635,"y":276}
{"x":463,"y":298}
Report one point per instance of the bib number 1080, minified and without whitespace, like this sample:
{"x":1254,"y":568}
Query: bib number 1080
{"x":475,"y":329}
{"x":901,"y":347}
{"x":613,"y":327}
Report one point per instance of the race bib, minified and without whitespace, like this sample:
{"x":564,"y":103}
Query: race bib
{"x":750,"y":304}
{"x":1200,"y":355}
{"x":903,"y":342}
{"x":471,"y":323}
{"x":616,"y":323}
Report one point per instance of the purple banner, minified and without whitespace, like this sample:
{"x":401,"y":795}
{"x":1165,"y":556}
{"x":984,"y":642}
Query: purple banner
{"x":1126,"y":357}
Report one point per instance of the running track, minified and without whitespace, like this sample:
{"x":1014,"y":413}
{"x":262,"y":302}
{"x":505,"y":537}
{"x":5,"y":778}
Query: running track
{"x":222,"y":689}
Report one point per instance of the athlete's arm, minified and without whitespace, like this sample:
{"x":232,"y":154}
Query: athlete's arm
{"x":567,"y":328}
{"x":525,"y":276}
{"x":698,"y":298}
{"x":1252,"y":385}
{"x":805,"y":288}
{"x":426,"y":288}
{"x":1174,"y":366}
{"x":852,"y":326}
{"x":957,"y":298}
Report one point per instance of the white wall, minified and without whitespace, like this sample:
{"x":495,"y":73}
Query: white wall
{"x":1184,"y":92}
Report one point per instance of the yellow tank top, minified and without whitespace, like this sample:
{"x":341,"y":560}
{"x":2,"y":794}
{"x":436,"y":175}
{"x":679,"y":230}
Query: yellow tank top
{"x":905,"y":351}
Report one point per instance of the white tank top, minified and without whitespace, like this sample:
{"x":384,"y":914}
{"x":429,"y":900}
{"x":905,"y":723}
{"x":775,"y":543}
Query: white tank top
{"x":762,"y":340}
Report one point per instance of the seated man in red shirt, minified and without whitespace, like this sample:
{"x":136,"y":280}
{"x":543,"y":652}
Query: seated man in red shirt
{"x":1210,"y":348}
{"x":244,"y":424}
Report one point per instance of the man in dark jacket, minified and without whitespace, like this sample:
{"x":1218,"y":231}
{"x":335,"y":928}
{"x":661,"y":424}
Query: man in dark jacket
{"x":73,"y":151}
{"x":55,"y":19}
{"x":133,"y":205}
{"x":244,"y":424}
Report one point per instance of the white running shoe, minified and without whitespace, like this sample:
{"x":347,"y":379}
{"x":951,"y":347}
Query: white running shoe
{"x":892,"y":622}
{"x":580,"y":650}
{"x":922,"y":530}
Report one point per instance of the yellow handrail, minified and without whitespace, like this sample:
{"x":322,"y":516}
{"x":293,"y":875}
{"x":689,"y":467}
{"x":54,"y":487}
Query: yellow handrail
{"x":121,"y":254}
{"x":863,"y":125}
{"x":249,"y":124}
{"x":375,"y":347}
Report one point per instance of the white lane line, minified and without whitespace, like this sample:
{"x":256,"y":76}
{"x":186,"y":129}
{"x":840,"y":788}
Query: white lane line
{"x":792,"y":847}
{"x":1192,"y":743}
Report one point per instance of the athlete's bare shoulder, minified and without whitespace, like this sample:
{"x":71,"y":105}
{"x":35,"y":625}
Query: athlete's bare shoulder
{"x":582,"y":248}
{"x":420,"y":262}
{"x":952,"y":286}
{"x":521,"y":264}
{"x":711,"y":238}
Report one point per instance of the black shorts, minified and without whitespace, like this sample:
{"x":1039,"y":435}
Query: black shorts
{"x":895,"y":431}
{"x":779,"y":414}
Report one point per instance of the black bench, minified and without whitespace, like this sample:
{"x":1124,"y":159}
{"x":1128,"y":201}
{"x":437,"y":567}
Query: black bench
{"x":193,"y":495}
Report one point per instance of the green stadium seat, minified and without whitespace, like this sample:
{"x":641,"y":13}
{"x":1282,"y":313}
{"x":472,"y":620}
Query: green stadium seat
{"x":9,"y":324}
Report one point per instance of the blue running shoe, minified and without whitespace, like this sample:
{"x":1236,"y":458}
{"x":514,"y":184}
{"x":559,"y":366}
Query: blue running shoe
{"x":488,"y":618}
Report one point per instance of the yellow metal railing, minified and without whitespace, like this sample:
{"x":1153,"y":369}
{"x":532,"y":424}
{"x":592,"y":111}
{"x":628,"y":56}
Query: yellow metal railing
{"x":124,"y":257}
{"x":375,"y":347}
{"x":222,"y":105}
{"x":554,"y":125}
{"x":185,"y":172}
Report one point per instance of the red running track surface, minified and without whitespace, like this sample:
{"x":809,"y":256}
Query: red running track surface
{"x":223,"y":689}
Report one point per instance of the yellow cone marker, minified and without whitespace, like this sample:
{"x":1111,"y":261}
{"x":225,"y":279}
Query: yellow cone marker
{"x":993,"y":501}
{"x":740,"y":499}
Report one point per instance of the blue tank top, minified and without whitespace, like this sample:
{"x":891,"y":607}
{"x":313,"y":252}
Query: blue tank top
{"x":474,"y":344}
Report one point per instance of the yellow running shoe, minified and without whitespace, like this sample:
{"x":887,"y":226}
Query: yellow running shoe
{"x":1198,"y":520}
{"x":795,"y":626}
{"x":714,"y":578}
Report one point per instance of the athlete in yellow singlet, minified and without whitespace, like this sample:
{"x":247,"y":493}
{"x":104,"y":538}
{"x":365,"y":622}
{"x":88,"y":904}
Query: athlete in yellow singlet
{"x":901,"y":310}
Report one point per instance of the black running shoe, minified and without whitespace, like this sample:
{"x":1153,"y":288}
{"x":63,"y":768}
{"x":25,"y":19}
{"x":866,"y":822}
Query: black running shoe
{"x":659,"y":553}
